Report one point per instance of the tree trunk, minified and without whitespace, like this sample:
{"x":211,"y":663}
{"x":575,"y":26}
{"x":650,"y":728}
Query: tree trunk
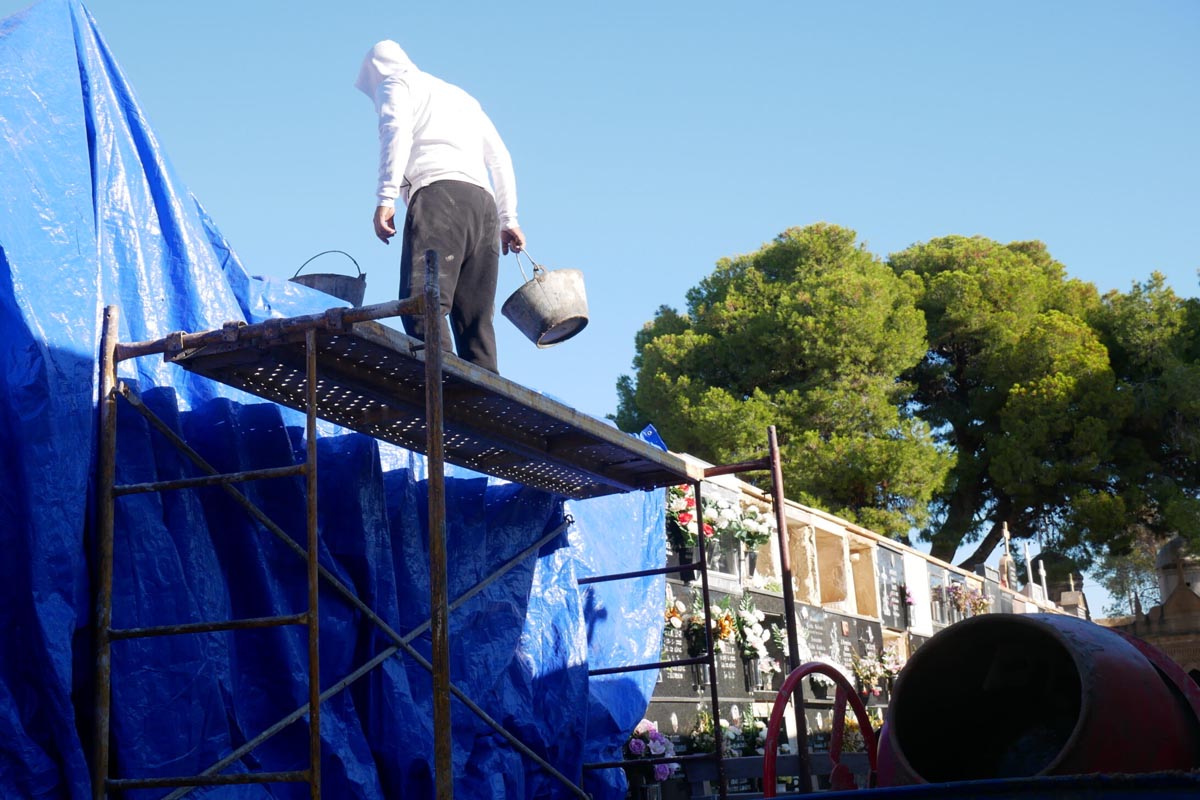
{"x":985,"y":548}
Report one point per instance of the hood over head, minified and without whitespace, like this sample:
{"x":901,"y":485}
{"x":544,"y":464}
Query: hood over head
{"x":383,"y":60}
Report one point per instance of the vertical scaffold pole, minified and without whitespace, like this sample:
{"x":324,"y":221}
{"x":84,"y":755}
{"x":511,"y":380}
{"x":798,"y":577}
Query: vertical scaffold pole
{"x":105,"y":512}
{"x":789,"y":605}
{"x":314,"y":628}
{"x":438,"y":592}
{"x":711,"y":661}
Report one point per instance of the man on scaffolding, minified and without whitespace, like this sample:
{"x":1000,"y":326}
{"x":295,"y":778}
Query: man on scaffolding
{"x":437,"y":149}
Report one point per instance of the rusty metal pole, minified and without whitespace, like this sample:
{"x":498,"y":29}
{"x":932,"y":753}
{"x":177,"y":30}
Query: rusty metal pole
{"x":105,"y":510}
{"x":789,"y":605}
{"x":438,"y":591}
{"x":711,"y":662}
{"x":314,"y":619}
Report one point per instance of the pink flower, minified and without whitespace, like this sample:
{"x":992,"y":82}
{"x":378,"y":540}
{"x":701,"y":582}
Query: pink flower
{"x":686,"y":518}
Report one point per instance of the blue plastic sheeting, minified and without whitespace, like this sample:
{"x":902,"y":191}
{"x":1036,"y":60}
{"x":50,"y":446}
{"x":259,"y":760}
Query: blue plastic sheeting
{"x":91,"y":214}
{"x":624,"y":622}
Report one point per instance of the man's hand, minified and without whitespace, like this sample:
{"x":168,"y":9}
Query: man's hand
{"x":385,"y":223}
{"x":512,"y":239}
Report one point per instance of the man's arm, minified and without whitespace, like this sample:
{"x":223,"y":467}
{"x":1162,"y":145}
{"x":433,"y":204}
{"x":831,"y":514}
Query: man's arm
{"x":504,"y":182}
{"x":395,"y":145}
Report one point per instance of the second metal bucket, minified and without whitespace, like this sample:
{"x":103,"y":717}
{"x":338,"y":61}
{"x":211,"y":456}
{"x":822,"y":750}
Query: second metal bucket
{"x":550,"y":308}
{"x":344,"y":287}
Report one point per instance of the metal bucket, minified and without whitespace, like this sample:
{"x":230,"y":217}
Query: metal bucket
{"x":1028,"y":695}
{"x":550,"y":308}
{"x":344,"y":287}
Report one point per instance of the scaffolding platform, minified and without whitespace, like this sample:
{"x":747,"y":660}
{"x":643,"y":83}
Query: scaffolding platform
{"x":343,"y":366}
{"x":372,"y":380}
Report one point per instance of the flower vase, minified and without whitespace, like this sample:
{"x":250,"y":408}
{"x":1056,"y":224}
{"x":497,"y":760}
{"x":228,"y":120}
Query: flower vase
{"x":642,"y":785}
{"x":751,"y":674}
{"x":751,"y":561}
{"x":820,"y":689}
{"x":712,"y":552}
{"x":699,"y":676}
{"x":687,"y":555}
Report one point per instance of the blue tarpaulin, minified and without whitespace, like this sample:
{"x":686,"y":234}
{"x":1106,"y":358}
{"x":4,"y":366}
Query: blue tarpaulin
{"x":92,"y":214}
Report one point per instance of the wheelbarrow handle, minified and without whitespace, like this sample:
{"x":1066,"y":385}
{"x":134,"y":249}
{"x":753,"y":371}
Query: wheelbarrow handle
{"x":327,"y":252}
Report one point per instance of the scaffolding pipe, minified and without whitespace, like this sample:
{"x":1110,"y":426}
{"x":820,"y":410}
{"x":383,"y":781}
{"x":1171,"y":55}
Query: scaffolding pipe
{"x":333,"y":319}
{"x":789,"y":603}
{"x":209,"y":480}
{"x":104,"y":531}
{"x":195,"y":781}
{"x":722,"y":789}
{"x":641,"y":573}
{"x":314,"y":619}
{"x":118,"y":634}
{"x":438,"y":592}
{"x":679,"y":662}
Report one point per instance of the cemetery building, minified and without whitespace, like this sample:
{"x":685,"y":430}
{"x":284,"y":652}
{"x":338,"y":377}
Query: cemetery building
{"x":1174,"y":625}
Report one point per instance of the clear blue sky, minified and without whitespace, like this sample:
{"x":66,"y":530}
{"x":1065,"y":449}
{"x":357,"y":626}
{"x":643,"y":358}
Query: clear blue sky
{"x":651,"y":139}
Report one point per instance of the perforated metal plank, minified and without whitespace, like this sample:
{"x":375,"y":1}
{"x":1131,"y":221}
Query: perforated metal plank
{"x":371,"y":379}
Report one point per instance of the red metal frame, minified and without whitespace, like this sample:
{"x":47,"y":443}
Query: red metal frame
{"x":845,"y":694}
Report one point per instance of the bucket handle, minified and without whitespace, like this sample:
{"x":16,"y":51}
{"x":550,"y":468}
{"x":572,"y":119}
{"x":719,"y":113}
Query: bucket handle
{"x":326,"y":252}
{"x":538,"y":269}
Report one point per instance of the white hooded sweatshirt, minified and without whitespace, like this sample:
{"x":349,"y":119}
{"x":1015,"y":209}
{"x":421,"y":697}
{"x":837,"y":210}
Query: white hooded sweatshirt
{"x":430,"y":130}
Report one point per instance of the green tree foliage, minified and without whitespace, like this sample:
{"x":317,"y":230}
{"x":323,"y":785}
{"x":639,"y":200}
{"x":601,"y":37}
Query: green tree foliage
{"x":1013,"y":380}
{"x":1130,"y":578}
{"x":1153,"y":340}
{"x":962,"y":385}
{"x":1067,"y":412}
{"x":810,"y":333}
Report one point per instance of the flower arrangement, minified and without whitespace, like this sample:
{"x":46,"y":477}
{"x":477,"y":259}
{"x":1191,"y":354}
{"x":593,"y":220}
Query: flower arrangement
{"x":756,"y":526}
{"x":745,"y":522}
{"x":820,"y":684}
{"x":891,"y":662}
{"x":764,"y":583}
{"x":683,"y":524}
{"x":674,"y":614}
{"x":749,"y":632}
{"x":723,"y":621}
{"x":702,"y":737}
{"x":723,"y":515}
{"x":647,"y":742}
{"x":852,"y":737}
{"x":967,"y":599}
{"x":754,"y":735}
{"x":868,"y":670}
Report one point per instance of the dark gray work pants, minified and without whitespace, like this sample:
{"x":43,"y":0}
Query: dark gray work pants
{"x":458,"y":220}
